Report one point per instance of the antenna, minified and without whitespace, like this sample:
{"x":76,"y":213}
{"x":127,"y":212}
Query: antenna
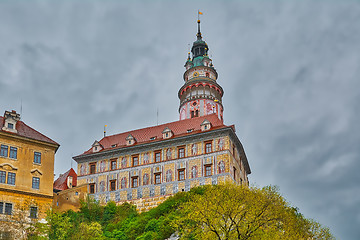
{"x":21,"y":107}
{"x":157,"y":116}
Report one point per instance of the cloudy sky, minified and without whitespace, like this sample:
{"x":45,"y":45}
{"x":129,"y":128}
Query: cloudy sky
{"x":290,"y":71}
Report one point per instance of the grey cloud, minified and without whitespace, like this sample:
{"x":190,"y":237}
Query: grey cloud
{"x":290,"y":71}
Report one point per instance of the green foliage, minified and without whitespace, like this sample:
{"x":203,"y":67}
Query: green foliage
{"x":58,"y":226}
{"x":206,"y":212}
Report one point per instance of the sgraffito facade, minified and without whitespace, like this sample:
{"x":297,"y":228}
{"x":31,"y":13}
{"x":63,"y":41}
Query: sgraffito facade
{"x":159,"y":168}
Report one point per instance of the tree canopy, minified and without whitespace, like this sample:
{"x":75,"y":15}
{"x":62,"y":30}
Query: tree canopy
{"x":208,"y":212}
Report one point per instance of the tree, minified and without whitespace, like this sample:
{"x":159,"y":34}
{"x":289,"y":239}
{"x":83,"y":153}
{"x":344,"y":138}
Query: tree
{"x":235,"y":212}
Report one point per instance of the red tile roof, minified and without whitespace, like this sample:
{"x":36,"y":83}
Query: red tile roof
{"x":61,"y":183}
{"x":143,"y":135}
{"x":24,"y":130}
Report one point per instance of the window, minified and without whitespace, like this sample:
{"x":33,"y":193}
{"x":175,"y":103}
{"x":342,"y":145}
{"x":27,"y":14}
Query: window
{"x":2,"y":177}
{"x":10,"y":125}
{"x":8,"y":209}
{"x":158,"y":156}
{"x":92,"y":168}
{"x":194,"y":113}
{"x":33,"y":212}
{"x":157,"y":178}
{"x":113,"y":164}
{"x":13,"y":152}
{"x":207,"y":170}
{"x":11,"y":178}
{"x":92,"y":188}
{"x":36,"y":183}
{"x":208,"y":147}
{"x":37,"y":157}
{"x":234,"y":173}
{"x":134,"y":182}
{"x":112,"y":185}
{"x":135,"y":161}
{"x":4,"y":151}
{"x":1,"y":207}
{"x":181,"y":174}
{"x":181,"y":152}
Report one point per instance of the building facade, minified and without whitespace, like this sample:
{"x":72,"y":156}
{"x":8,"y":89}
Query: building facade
{"x":67,"y":193}
{"x":26,"y":169}
{"x":147,"y":165}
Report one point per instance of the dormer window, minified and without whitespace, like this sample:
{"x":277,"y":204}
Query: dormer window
{"x":167,"y":133}
{"x":153,"y":138}
{"x":11,"y":119}
{"x":96,"y":147}
{"x":190,"y":130}
{"x":205,"y":125}
{"x":114,"y":145}
{"x":130,"y":140}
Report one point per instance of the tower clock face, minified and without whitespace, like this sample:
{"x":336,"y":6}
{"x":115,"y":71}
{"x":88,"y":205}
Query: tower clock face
{"x":196,"y":74}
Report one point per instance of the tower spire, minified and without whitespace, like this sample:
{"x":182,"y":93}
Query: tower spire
{"x":200,"y":95}
{"x":198,"y":22}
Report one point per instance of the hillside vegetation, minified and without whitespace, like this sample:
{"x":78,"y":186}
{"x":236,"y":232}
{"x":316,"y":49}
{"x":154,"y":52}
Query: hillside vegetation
{"x":207,"y":212}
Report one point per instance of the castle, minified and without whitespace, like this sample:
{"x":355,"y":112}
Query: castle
{"x":145,"y":166}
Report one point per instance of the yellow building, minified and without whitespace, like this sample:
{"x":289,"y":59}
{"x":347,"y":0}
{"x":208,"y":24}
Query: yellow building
{"x":26,"y":170}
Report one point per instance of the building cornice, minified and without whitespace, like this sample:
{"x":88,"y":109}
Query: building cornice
{"x":26,"y":193}
{"x":30,"y":140}
{"x":176,"y":141}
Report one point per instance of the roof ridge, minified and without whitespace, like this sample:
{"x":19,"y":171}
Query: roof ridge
{"x":184,"y":120}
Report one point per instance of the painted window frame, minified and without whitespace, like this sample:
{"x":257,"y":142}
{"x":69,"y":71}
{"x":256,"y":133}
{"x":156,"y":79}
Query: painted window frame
{"x":157,"y":178}
{"x":181,"y":152}
{"x":157,"y":156}
{"x":112,"y":185}
{"x":92,"y":188}
{"x":208,"y":147}
{"x":181,"y":174}
{"x":207,"y":169}
{"x":133,"y":160}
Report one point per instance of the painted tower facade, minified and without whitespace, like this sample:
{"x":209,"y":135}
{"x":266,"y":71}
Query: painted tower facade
{"x":200,"y":95}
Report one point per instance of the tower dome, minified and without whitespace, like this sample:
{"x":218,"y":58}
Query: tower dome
{"x":200,"y":95}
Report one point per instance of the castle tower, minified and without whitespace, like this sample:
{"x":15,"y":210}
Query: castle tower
{"x":200,"y":95}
